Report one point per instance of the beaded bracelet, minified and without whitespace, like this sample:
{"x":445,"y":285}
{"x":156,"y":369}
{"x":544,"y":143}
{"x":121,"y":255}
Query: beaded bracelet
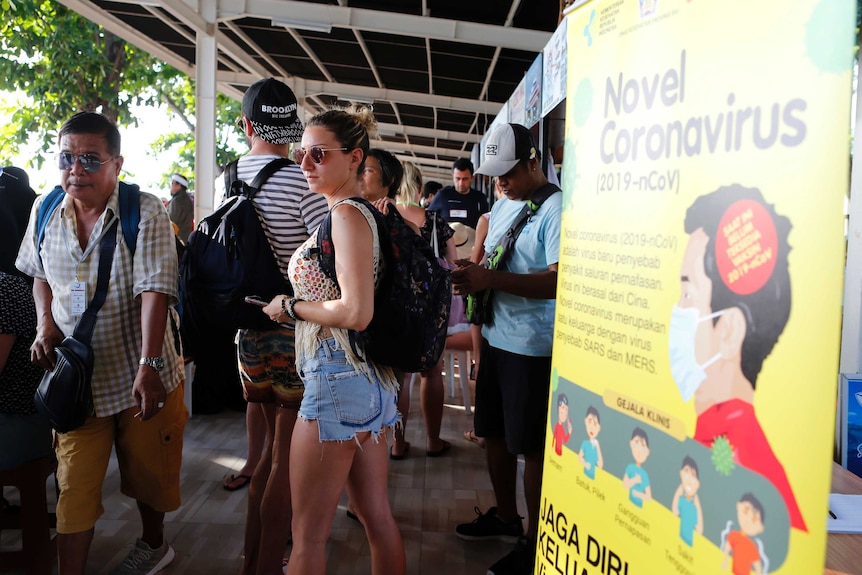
{"x":284,"y":307}
{"x":290,"y":308}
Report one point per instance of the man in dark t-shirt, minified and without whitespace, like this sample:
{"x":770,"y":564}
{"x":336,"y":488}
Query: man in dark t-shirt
{"x":460,"y":202}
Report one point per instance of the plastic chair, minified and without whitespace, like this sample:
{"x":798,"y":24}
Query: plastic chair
{"x":37,"y":553}
{"x":449,"y":357}
{"x":463,"y":358}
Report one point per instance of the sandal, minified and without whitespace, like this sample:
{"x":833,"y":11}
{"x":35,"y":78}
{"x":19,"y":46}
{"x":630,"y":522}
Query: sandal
{"x":473,"y":438}
{"x":402,"y":455}
{"x":446,"y":447}
{"x":230,"y":482}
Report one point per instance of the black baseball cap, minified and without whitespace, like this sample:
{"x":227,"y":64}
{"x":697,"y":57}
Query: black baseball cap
{"x":271,"y":108}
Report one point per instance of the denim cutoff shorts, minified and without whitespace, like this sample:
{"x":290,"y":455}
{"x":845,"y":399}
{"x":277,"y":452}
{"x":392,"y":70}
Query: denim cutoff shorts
{"x":343,"y":401}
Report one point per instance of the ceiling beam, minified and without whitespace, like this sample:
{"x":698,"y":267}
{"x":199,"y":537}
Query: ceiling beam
{"x":428,"y":132}
{"x":387,"y":23}
{"x":417,"y":149}
{"x":305,"y":88}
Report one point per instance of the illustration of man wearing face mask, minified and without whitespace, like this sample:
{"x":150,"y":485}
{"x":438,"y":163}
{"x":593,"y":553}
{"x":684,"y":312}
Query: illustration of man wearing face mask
{"x":734,"y":303}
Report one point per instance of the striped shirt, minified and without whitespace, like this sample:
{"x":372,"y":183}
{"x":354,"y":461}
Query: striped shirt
{"x":289,"y":211}
{"x":117,"y":337}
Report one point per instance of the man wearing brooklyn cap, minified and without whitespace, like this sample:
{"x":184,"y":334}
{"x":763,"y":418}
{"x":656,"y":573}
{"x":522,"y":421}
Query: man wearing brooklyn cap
{"x":514,"y":374}
{"x":271,"y":109}
{"x":289,"y":212}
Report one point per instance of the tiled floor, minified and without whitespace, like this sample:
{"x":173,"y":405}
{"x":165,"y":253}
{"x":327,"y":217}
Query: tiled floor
{"x":429,"y":497}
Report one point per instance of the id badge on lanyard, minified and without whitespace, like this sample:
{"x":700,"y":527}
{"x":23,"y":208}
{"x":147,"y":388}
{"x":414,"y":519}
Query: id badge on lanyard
{"x":79,"y":297}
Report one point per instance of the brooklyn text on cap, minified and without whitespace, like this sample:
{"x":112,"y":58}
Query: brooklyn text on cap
{"x":505,"y":147}
{"x":180,"y":180}
{"x":271,"y":108}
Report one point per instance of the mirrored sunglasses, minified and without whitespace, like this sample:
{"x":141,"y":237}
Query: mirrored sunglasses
{"x":89,"y":162}
{"x":315,"y":152}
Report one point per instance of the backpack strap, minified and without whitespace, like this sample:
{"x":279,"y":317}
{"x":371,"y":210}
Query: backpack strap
{"x":325,"y":249}
{"x":230,"y":176}
{"x":46,"y":208}
{"x":130,"y":212}
{"x":265,"y":173}
{"x":503,"y":249}
{"x":249,"y":191}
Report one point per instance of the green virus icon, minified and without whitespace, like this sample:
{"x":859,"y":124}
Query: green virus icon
{"x":722,"y":455}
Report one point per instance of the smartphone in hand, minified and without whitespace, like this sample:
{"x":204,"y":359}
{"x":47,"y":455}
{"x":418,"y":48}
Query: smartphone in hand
{"x":255,"y":300}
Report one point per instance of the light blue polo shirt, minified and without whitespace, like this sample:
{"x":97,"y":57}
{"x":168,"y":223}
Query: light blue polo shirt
{"x":524,"y":325}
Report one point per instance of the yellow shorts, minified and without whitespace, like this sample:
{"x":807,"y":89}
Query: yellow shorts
{"x":267,"y":367}
{"x":149,"y":454}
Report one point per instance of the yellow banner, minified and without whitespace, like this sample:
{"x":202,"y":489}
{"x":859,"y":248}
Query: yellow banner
{"x":691,"y":416}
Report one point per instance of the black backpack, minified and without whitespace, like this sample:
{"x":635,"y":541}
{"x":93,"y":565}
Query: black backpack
{"x":411,"y":303}
{"x":227,"y":258}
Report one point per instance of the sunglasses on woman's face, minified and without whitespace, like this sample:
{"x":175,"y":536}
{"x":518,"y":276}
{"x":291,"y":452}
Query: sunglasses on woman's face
{"x":316,"y":153}
{"x":90,"y":162}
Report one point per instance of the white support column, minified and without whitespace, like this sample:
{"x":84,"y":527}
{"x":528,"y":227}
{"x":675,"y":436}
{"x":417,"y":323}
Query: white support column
{"x":205,"y":111}
{"x":851,"y":335}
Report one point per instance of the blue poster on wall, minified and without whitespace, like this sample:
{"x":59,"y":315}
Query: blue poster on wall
{"x":533,"y":87}
{"x":852,"y":418}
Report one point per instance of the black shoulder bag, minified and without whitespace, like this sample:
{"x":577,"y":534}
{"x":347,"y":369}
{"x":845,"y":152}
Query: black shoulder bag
{"x":64,"y":397}
{"x":479,"y":304}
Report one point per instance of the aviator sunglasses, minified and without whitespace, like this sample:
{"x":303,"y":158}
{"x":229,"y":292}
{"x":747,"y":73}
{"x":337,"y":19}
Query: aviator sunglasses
{"x":316,"y":153}
{"x":90,"y":162}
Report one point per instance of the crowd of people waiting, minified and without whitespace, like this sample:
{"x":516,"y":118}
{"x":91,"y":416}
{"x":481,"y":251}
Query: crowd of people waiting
{"x":306,"y":388}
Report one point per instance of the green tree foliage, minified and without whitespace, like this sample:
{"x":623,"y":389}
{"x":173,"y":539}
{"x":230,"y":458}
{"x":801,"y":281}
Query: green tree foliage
{"x":179,"y":96}
{"x":63,"y":64}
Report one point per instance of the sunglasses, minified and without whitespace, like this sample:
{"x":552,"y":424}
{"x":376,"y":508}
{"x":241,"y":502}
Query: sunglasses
{"x":316,"y":153}
{"x":90,"y":162}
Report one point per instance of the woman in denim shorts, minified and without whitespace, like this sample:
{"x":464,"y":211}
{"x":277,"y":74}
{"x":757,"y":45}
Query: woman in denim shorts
{"x":349,"y":404}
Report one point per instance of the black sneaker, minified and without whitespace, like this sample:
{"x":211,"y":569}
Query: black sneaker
{"x":490,"y":526}
{"x":519,"y":561}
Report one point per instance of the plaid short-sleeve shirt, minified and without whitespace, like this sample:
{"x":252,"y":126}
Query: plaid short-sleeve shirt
{"x":117,"y":337}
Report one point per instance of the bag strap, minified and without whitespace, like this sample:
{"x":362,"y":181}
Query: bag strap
{"x":265,"y":173}
{"x":434,"y":241}
{"x":130,"y":213}
{"x":230,"y":176}
{"x":84,"y":328}
{"x":503,"y":249}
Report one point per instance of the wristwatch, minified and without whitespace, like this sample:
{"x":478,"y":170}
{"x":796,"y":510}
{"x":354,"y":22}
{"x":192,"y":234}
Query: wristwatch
{"x":157,"y":363}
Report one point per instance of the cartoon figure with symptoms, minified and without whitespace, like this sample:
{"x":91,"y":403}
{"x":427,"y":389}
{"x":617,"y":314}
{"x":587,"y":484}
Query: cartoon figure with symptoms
{"x":563,"y":428}
{"x":636,"y":479}
{"x":744,"y":545}
{"x":734,"y":303}
{"x":590,"y":454}
{"x":686,"y":503}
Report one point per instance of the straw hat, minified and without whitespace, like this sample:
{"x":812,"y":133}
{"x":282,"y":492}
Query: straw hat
{"x":464,"y":237}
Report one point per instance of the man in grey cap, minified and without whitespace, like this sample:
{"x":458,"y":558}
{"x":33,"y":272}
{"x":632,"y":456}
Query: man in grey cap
{"x":514,"y":374}
{"x":289,"y":212}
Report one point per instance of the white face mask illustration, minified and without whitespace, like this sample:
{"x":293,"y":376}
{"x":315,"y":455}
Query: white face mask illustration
{"x":684,"y":368}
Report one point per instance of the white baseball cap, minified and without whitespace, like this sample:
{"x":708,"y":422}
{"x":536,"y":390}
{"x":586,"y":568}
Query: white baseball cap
{"x":505,"y":147}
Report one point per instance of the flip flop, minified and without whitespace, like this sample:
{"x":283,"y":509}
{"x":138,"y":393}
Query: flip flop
{"x":471,"y":437}
{"x":230,"y":479}
{"x":446,"y":447}
{"x":394,"y":457}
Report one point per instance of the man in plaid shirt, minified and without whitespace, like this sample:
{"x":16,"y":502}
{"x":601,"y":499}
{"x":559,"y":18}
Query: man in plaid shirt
{"x":138,"y":372}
